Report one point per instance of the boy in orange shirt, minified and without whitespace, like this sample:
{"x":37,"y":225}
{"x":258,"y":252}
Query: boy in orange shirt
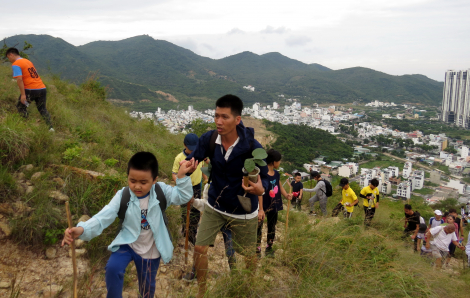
{"x":30,"y":84}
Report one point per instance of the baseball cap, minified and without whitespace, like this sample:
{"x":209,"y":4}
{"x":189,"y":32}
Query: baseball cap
{"x":190,"y":140}
{"x":314,"y":174}
{"x":343,"y":182}
{"x":437,"y":212}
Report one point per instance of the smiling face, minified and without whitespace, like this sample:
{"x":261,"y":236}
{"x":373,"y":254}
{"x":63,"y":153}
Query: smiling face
{"x":140,"y":182}
{"x":226,"y":122}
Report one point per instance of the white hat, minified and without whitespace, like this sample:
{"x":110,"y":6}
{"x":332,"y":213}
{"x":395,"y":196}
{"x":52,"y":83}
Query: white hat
{"x":437,"y":212}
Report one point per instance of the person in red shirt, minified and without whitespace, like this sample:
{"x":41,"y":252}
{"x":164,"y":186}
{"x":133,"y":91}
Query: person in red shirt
{"x":30,"y":84}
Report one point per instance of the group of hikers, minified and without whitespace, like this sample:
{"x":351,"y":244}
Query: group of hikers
{"x":226,"y":204}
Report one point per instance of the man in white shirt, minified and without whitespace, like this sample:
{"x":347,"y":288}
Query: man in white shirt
{"x":443,"y":236}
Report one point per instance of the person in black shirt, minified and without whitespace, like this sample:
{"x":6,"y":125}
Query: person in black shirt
{"x":411,"y":225}
{"x":297,"y":191}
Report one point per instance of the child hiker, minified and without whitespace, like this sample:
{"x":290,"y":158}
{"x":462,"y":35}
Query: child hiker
{"x":270,"y":203}
{"x":348,"y":199}
{"x":297,"y":191}
{"x":144,"y":237}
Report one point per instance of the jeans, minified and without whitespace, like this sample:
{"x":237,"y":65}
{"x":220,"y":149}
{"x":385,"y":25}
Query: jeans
{"x":116,"y":267}
{"x":39,"y":96}
{"x":323,"y":200}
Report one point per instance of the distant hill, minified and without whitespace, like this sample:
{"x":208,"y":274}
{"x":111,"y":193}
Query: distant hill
{"x":135,"y":68}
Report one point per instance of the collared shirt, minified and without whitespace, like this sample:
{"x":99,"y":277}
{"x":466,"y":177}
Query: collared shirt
{"x":229,"y":150}
{"x":226,"y":157}
{"x":196,"y":176}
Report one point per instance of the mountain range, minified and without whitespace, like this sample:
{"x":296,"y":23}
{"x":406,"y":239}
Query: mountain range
{"x":144,"y":73}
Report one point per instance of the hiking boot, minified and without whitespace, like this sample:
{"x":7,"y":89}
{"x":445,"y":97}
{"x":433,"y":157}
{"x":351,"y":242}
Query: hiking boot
{"x":269,"y":252}
{"x":190,"y":276}
{"x":312,"y":213}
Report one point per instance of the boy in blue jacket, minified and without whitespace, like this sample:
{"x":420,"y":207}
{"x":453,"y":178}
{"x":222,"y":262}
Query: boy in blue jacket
{"x":144,"y":237}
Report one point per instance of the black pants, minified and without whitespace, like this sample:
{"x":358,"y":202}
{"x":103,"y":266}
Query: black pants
{"x":369,"y":214}
{"x":194,"y":216}
{"x":39,"y":96}
{"x":296,"y":202}
{"x":271,"y":217}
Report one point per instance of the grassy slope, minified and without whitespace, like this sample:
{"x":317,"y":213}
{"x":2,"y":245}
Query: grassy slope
{"x":322,"y":259}
{"x":331,"y":260}
{"x":91,"y":134}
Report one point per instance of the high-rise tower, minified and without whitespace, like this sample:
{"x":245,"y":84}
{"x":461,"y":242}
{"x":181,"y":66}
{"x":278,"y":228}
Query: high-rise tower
{"x":456,"y":98}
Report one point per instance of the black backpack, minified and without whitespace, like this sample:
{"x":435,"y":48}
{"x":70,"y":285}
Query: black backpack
{"x":329,"y":188}
{"x":125,"y":198}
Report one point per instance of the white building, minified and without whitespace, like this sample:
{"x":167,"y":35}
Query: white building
{"x":275,"y":105}
{"x":190,"y":108}
{"x":464,"y":152}
{"x":404,"y":190}
{"x":456,"y":98}
{"x":256,"y":107}
{"x":417,"y":180}
{"x":456,"y":184}
{"x":407,"y":170}
{"x":249,"y":88}
{"x":347,"y":171}
{"x":386,"y":187}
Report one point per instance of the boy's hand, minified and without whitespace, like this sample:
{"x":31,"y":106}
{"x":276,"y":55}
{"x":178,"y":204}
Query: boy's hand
{"x":71,"y":234}
{"x":289,"y":197}
{"x":261,"y":215}
{"x":187,"y":166}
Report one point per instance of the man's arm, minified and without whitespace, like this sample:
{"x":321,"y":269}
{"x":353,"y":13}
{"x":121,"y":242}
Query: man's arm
{"x":315,"y":189}
{"x":19,"y":81}
{"x":428,"y":237}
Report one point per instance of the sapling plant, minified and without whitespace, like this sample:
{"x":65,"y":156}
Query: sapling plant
{"x":250,"y":163}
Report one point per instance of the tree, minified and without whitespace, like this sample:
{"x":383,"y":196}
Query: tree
{"x":450,"y":150}
{"x":199,"y":127}
{"x":5,"y":47}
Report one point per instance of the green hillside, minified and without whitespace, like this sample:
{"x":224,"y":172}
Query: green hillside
{"x":316,"y":258}
{"x":300,"y":144}
{"x":135,"y":68}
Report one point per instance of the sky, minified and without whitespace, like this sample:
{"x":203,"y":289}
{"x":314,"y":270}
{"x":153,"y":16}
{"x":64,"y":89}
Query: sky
{"x":395,"y":36}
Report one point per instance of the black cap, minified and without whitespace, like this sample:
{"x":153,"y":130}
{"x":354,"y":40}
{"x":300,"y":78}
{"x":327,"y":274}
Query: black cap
{"x":343,"y":182}
{"x":314,"y":174}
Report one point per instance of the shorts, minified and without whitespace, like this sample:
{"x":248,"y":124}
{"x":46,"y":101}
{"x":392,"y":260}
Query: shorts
{"x":420,"y":236}
{"x":437,"y":253}
{"x":244,"y":231}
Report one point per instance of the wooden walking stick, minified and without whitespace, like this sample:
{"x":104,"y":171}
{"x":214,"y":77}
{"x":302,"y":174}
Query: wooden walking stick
{"x":287,"y":214}
{"x":188,"y":210}
{"x":72,"y":246}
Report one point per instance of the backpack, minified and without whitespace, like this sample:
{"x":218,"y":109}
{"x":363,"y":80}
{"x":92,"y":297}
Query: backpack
{"x":125,"y":198}
{"x":328,"y":187}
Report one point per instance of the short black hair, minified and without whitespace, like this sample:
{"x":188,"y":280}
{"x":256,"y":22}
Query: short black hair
{"x":374,"y":182}
{"x":450,"y":215}
{"x":408,"y":207}
{"x":273,"y":155}
{"x":297,"y":174}
{"x":231,"y":101}
{"x":452,"y":210}
{"x":12,"y":51}
{"x":144,"y":161}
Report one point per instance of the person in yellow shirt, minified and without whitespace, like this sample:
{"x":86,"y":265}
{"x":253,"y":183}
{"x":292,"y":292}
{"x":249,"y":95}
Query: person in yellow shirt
{"x":348,"y":199}
{"x":190,"y":143}
{"x":370,"y":194}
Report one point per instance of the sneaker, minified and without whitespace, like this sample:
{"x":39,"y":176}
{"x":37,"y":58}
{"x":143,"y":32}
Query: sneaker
{"x":190,"y":276}
{"x":51,"y":129}
{"x":312,"y":213}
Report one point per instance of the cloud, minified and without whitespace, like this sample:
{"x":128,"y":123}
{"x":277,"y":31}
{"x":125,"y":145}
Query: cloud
{"x":272,"y":30}
{"x":235,"y":31}
{"x":297,"y":40}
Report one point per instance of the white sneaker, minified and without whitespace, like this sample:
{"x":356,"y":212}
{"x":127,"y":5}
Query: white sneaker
{"x":51,"y":129}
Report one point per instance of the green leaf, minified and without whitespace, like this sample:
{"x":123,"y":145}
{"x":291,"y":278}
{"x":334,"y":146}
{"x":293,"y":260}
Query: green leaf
{"x":260,"y":162}
{"x":259,"y":153}
{"x":249,"y":165}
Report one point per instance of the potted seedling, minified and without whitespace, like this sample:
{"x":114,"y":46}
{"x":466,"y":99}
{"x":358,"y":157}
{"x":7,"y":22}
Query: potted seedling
{"x":251,"y":172}
{"x":250,"y":169}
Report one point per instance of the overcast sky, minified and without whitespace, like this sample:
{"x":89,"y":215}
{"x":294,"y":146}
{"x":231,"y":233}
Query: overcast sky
{"x":394,"y":36}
